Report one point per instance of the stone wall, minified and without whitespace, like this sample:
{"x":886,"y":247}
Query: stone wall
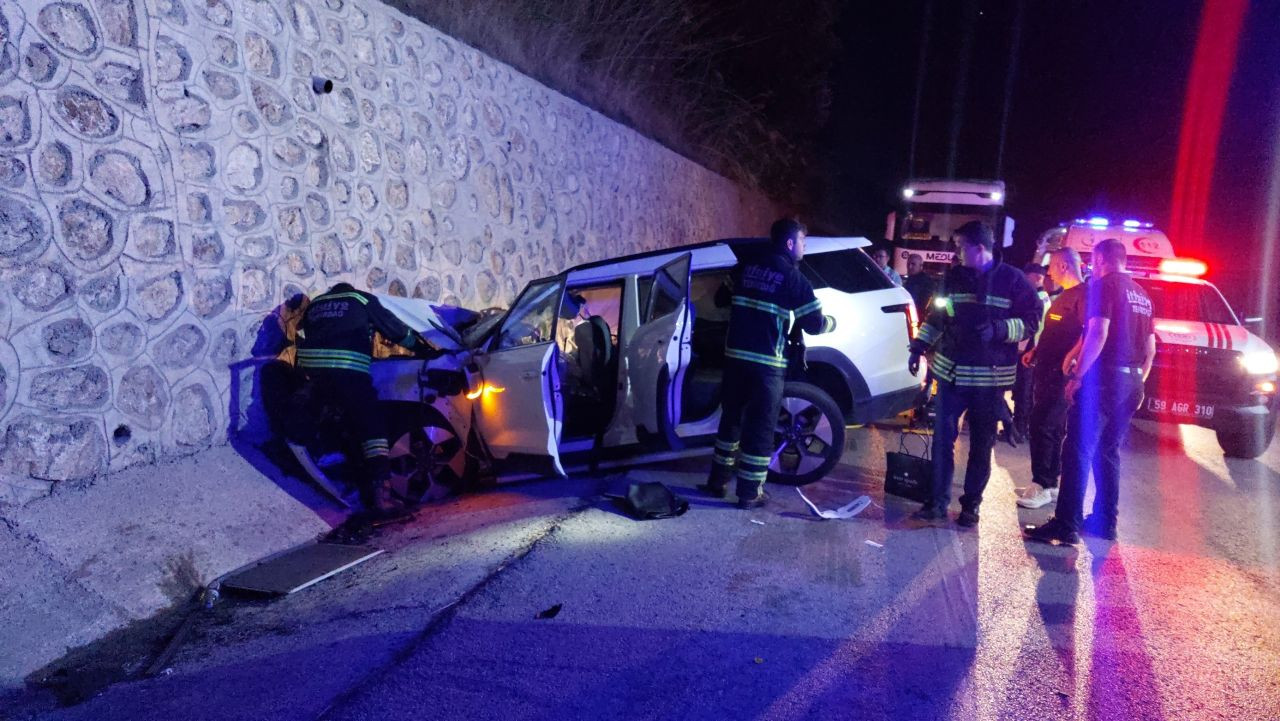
{"x":168,"y":175}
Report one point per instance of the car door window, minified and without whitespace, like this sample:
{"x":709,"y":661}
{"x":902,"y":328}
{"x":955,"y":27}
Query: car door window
{"x":667,"y":294}
{"x":532,"y":318}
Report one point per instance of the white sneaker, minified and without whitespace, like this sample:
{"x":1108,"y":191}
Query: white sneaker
{"x":1037,"y":496}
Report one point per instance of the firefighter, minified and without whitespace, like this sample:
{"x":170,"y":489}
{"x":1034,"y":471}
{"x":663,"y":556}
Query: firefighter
{"x":335,"y":349}
{"x":767,"y":289}
{"x":985,"y":308}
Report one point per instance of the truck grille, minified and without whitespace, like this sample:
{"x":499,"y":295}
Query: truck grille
{"x":1211,"y":375}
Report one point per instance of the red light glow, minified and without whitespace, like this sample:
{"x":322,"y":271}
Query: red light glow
{"x":1183,"y":266}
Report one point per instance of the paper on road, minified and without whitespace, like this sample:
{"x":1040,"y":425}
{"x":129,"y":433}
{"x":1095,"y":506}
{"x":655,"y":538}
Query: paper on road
{"x":848,"y":510}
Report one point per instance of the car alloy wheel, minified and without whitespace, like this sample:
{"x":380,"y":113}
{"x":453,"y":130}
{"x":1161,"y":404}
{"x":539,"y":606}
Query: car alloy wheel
{"x":809,"y":437}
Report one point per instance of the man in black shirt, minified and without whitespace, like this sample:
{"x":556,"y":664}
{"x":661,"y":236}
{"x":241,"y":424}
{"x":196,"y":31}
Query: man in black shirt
{"x":1063,"y":324}
{"x":1104,"y":389}
{"x":919,"y":284}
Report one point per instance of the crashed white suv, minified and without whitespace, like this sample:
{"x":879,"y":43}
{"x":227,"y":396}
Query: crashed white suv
{"x":620,"y":361}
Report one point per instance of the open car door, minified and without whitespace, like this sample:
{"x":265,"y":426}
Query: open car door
{"x":661,"y":348}
{"x":519,"y":407}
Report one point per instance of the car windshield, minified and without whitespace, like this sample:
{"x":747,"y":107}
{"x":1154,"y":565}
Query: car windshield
{"x":850,"y":271}
{"x":1174,"y":300}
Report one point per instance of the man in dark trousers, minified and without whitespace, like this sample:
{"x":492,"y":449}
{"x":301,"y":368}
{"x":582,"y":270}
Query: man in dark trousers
{"x":1104,"y":389}
{"x":335,"y":349}
{"x":767,"y":289}
{"x":1063,"y":325}
{"x":986,"y":309}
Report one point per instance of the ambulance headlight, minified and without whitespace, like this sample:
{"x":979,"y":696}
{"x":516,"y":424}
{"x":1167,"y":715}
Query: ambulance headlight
{"x":1260,"y":362}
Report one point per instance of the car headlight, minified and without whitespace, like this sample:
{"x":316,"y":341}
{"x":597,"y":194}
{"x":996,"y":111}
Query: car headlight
{"x":1260,"y":362}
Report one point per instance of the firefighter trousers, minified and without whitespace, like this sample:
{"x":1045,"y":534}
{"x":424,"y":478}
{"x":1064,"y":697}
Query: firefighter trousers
{"x":750,"y":398}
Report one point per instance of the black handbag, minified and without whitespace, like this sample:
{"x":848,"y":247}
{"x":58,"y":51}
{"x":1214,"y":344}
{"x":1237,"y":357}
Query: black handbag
{"x":909,"y":475}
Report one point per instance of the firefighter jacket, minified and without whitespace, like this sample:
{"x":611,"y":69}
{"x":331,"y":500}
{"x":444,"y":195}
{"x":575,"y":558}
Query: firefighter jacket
{"x":768,"y":289}
{"x":337,"y":330}
{"x":975,"y":325}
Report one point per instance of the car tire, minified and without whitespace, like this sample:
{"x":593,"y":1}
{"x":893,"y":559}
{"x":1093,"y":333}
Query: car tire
{"x":809,"y":436}
{"x":1249,"y":441}
{"x":428,"y":458}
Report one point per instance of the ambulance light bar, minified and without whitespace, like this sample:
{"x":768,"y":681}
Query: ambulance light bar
{"x":1183,"y":266}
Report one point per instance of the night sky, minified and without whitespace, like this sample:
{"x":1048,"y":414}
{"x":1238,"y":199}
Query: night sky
{"x":1093,"y":117}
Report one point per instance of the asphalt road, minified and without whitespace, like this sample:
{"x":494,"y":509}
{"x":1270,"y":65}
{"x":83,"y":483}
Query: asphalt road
{"x":770,"y":614}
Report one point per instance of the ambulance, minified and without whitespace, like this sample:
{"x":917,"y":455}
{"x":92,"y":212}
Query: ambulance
{"x":1210,"y":370}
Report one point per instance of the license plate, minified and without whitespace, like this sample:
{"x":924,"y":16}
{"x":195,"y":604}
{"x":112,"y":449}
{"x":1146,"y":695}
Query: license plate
{"x":1184,"y":409}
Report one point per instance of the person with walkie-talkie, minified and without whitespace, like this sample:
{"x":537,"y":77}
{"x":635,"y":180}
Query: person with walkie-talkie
{"x":984,"y":309}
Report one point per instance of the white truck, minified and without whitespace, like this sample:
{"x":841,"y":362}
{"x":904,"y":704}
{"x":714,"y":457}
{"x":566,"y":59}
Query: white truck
{"x":931,"y":211}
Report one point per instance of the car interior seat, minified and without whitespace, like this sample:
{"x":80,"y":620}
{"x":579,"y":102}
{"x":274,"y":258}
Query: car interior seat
{"x":595,"y":350}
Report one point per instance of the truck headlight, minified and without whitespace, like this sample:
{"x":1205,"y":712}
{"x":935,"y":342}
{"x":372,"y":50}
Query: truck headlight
{"x":1260,"y":362}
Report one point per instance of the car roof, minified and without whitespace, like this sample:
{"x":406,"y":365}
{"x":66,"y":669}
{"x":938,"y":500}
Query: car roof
{"x":709,"y":254}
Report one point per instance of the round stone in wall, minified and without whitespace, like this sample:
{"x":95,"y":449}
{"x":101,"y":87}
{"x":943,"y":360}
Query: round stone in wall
{"x":216,"y":12}
{"x":188,"y":114}
{"x":122,"y":339}
{"x":406,"y":258}
{"x":242,"y":215}
{"x":180,"y":347}
{"x":151,"y":238}
{"x":86,"y":113}
{"x":292,"y":223}
{"x":143,"y":394}
{"x":198,"y":161}
{"x":486,"y":287}
{"x":120,"y":177}
{"x":258,"y":247}
{"x":172,"y":61}
{"x":225,"y":348}
{"x":255,"y":287}
{"x":210,"y":295}
{"x":288,"y":151}
{"x":243,"y":169}
{"x":70,"y":388}
{"x":225,"y":52}
{"x":222,"y":85}
{"x":299,"y":263}
{"x":70,"y":27}
{"x":428,"y":288}
{"x":56,"y":449}
{"x":87,"y":230}
{"x":318,"y":209}
{"x":43,"y":287}
{"x":366,"y":197}
{"x":54,"y":164}
{"x":452,"y":251}
{"x":68,"y":339}
{"x":396,"y":288}
{"x":101,"y":293}
{"x":121,"y":82}
{"x":331,"y":256}
{"x":273,"y":106}
{"x":260,"y":55}
{"x":13,"y":172}
{"x":158,"y":297}
{"x":15,"y":121}
{"x":317,"y":172}
{"x":370,"y":152}
{"x":457,"y":158}
{"x":397,"y":194}
{"x":207,"y":248}
{"x":376,"y":277}
{"x":40,"y":63}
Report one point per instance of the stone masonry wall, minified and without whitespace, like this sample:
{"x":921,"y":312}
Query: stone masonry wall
{"x":168,"y":175}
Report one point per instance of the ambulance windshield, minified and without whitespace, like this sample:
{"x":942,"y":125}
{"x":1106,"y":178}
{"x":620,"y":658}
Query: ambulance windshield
{"x":1187,"y":301}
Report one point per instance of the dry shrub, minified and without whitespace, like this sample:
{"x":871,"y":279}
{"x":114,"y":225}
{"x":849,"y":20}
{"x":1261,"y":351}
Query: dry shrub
{"x":739,"y":87}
